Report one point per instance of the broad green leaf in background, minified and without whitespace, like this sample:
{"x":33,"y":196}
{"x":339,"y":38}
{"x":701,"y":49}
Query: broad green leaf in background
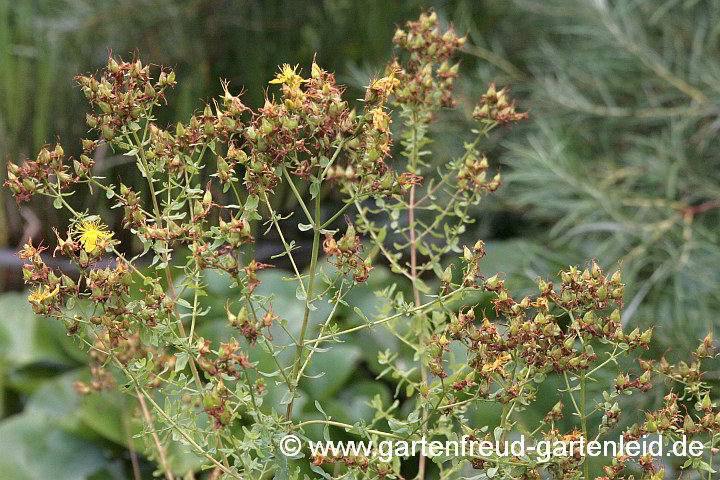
{"x":336,"y":366}
{"x":31,"y":449}
{"x":26,"y":338}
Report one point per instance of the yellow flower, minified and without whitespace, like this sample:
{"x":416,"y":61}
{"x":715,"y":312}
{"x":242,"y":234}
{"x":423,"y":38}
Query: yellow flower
{"x":288,"y":76}
{"x":573,"y":436}
{"x":39,"y":295}
{"x":380,"y":119}
{"x":385,"y":86}
{"x":316,"y":71}
{"x":497,"y":365}
{"x":89,"y":232}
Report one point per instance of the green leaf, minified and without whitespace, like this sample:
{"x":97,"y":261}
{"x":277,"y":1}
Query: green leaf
{"x":337,"y":365}
{"x":314,"y":186}
{"x":353,"y":401}
{"x":382,"y":234}
{"x":32,"y":448}
{"x":252,"y":202}
{"x":320,"y":409}
{"x":182,"y":360}
{"x":26,"y":338}
{"x":360,"y":313}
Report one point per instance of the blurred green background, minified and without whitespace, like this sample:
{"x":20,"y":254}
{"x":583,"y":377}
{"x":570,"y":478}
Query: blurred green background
{"x":618,"y":162}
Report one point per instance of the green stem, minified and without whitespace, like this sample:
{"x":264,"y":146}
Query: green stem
{"x":515,"y":400}
{"x":391,"y":317}
{"x":414,"y":154}
{"x":308,"y":300}
{"x":172,"y":422}
{"x":166,"y":261}
{"x":324,"y":327}
{"x":396,"y":267}
{"x":158,"y":445}
{"x":435,"y":408}
{"x":599,"y":367}
{"x":583,"y":422}
{"x":337,"y":214}
{"x":347,"y":426}
{"x":572,"y":397}
{"x":298,"y":197}
{"x":286,"y":245}
{"x":315,"y":221}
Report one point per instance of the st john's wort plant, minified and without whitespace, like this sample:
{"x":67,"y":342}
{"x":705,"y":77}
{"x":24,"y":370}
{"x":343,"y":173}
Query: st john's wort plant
{"x":399,"y":212}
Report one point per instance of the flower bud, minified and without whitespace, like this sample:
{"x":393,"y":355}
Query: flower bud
{"x":79,"y":169}
{"x":43,"y":157}
{"x":447,"y":275}
{"x":108,"y":132}
{"x":602,"y":292}
{"x":589,"y":317}
{"x":91,"y":120}
{"x":29,"y":185}
{"x":105,"y":107}
{"x":689,"y":424}
{"x":646,"y":336}
{"x":222,"y":165}
{"x":492,"y":282}
{"x":651,"y":426}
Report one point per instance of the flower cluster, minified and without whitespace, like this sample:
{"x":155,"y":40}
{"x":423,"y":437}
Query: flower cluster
{"x":673,"y":419}
{"x":250,"y":325}
{"x":471,"y":259}
{"x":35,"y":176}
{"x":346,"y":252}
{"x":215,"y":403}
{"x":48,"y":288}
{"x":495,"y":107}
{"x":472,"y":175}
{"x":87,"y":239}
{"x":422,"y":82}
{"x":122,"y":95}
